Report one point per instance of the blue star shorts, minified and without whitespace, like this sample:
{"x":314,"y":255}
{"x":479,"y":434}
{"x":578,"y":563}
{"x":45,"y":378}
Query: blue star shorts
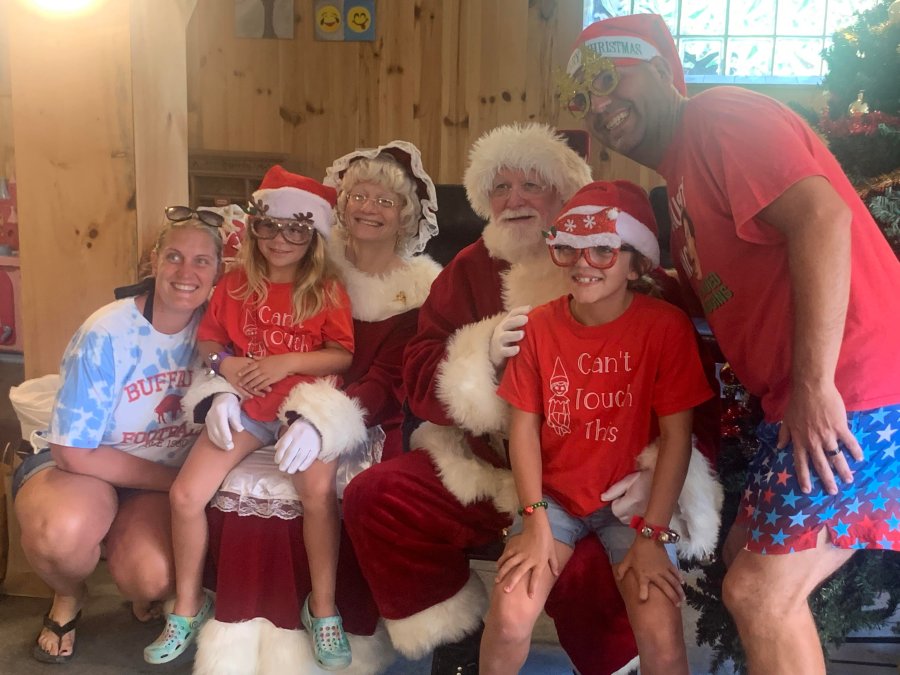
{"x":863,"y":514}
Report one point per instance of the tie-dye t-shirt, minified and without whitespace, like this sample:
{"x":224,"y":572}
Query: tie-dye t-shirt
{"x":122,"y":383}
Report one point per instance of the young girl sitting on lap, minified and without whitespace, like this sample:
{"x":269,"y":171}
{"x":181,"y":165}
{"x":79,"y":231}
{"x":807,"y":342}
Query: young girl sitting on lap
{"x":275,"y":323}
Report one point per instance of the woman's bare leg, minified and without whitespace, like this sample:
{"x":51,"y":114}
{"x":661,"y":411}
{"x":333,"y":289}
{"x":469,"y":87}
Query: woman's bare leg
{"x":64,"y":517}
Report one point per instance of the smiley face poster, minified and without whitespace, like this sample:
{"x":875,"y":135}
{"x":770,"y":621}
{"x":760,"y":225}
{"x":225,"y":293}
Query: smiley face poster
{"x":344,"y":20}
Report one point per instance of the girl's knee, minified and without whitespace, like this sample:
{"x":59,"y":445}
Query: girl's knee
{"x":185,"y":499}
{"x":511,"y":620}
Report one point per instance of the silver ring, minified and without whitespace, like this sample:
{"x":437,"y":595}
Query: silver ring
{"x":833,"y":453}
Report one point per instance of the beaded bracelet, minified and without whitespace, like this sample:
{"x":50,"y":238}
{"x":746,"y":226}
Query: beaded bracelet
{"x":528,"y":510}
{"x":663,"y":535}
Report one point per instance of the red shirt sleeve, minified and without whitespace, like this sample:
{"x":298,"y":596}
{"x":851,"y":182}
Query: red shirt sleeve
{"x":680,"y":383}
{"x":213,"y":325}
{"x":521,"y":383}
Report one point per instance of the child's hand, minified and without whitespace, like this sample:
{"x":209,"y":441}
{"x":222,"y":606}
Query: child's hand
{"x":261,"y":374}
{"x":230,"y":370}
{"x":649,"y":562}
{"x":527,"y":554}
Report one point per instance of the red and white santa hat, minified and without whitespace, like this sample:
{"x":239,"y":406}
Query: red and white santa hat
{"x":628,"y":40}
{"x":608,"y":214}
{"x":283,"y":194}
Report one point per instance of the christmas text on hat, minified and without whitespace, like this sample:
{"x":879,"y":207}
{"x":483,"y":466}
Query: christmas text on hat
{"x":619,"y":40}
{"x":290,"y":196}
{"x":608,"y":214}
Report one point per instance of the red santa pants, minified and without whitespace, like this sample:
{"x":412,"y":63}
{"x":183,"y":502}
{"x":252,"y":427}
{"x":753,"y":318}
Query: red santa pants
{"x":411,"y":536}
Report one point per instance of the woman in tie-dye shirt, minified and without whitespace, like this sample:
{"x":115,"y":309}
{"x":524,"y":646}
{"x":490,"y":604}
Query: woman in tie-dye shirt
{"x":117,"y":437}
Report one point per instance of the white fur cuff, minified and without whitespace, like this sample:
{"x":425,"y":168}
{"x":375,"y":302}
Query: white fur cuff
{"x":338,"y":418}
{"x":198,"y":398}
{"x":443,"y":623}
{"x":698,"y":515}
{"x":467,"y":380}
{"x":258,"y":647}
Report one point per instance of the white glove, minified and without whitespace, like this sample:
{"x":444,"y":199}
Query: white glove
{"x":506,"y":335}
{"x":223,"y":416}
{"x":298,"y":447}
{"x":630,"y":495}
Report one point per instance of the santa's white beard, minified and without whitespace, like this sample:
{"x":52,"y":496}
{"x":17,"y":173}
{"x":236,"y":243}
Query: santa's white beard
{"x":513,"y":242}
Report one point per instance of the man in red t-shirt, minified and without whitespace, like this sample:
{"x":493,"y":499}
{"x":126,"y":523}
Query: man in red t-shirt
{"x":789,"y":268}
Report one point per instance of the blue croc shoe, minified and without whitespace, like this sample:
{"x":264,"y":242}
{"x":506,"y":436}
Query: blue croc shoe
{"x":179,"y":633}
{"x":330,"y":645}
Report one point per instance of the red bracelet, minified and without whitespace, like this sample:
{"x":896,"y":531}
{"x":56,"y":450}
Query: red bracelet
{"x":664,"y":535}
{"x":528,"y":510}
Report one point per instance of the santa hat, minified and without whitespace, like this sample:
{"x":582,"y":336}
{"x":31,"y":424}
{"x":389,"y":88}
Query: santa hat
{"x":409,"y":158}
{"x":628,"y":40}
{"x":608,"y":214}
{"x":529,"y":147}
{"x":283,"y":194}
{"x":559,"y":375}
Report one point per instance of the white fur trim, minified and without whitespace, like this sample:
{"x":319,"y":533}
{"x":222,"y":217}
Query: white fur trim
{"x":526,"y":147}
{"x":630,"y":668}
{"x":637,"y":234}
{"x":562,"y":238}
{"x":258,"y":647}
{"x":375,"y":298}
{"x":204,"y":386}
{"x":466,"y":477}
{"x":467,"y":380}
{"x":698,"y":515}
{"x":443,"y":623}
{"x":338,"y":417}
{"x":285,"y":202}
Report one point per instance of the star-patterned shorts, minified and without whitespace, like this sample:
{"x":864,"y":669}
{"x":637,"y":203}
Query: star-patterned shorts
{"x":863,"y":514}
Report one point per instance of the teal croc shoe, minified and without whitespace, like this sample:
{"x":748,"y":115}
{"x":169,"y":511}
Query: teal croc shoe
{"x":330,"y":645}
{"x":179,"y":633}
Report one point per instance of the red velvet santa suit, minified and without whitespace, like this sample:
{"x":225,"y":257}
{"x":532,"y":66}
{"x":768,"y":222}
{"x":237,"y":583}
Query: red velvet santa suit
{"x":257,"y":559}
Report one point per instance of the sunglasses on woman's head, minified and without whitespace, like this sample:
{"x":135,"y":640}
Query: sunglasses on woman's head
{"x":293,"y":231}
{"x":178,"y":214}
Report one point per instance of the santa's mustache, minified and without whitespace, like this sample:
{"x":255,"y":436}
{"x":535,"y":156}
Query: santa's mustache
{"x":521,"y":212}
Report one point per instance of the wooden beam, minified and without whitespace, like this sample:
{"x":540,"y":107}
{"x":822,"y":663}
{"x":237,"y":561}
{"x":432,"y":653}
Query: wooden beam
{"x":99,"y":117}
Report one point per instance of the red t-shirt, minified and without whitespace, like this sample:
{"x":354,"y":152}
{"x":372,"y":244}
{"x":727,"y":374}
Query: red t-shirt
{"x":735,"y":153}
{"x":599,"y":390}
{"x":269,"y":329}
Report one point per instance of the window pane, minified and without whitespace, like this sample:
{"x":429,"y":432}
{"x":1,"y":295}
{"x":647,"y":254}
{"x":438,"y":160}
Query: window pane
{"x":701,"y":56}
{"x":801,"y":17}
{"x":668,"y":9}
{"x":703,"y":17}
{"x":840,"y":13}
{"x":751,"y":17}
{"x":797,"y":57}
{"x":603,"y":9}
{"x":749,"y":57}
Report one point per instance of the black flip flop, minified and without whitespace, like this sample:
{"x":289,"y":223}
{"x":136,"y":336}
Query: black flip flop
{"x":42,"y":655}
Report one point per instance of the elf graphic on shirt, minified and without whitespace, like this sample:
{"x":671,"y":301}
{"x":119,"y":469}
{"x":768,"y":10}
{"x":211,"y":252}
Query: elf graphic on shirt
{"x":256,"y":347}
{"x":558,"y":411}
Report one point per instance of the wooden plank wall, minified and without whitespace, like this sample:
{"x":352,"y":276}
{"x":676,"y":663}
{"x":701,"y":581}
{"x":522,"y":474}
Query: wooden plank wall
{"x":7,"y":153}
{"x":440,"y":73}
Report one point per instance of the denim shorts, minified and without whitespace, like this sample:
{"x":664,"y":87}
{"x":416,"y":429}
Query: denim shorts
{"x":30,"y":466}
{"x":265,"y":432}
{"x":567,"y":529}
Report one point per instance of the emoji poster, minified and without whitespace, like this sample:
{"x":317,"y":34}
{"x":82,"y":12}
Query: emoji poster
{"x":345,"y":20}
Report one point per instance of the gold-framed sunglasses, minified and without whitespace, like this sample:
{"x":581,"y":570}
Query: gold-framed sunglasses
{"x":588,"y":73}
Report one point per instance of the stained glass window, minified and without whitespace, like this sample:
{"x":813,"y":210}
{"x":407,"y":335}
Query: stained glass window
{"x":744,"y":40}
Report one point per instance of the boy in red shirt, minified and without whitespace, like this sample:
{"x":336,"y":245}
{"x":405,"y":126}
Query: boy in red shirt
{"x":601,"y":373}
